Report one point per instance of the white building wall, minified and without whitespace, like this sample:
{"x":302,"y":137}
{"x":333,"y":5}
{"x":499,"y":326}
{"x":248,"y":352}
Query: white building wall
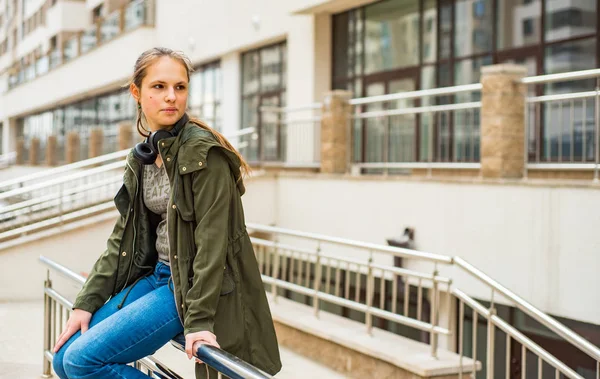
{"x":535,"y":240}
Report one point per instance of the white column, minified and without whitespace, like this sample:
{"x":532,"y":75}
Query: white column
{"x":231,"y":98}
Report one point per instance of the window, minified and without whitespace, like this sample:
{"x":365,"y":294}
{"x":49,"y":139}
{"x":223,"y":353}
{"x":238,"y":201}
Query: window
{"x":528,"y":27}
{"x":205,"y":91}
{"x":264,"y":73}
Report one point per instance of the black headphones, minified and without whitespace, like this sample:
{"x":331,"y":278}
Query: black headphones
{"x":147,"y":151}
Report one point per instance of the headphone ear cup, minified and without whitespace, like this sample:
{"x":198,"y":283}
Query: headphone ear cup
{"x":144,"y":154}
{"x":155,"y":138}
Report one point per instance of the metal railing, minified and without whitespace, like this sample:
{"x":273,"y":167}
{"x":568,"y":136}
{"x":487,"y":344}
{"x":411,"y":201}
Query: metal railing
{"x":57,"y":309}
{"x":65,"y":194}
{"x":563,"y":129}
{"x":388,"y":292}
{"x":426,"y":129}
{"x":289,"y":137}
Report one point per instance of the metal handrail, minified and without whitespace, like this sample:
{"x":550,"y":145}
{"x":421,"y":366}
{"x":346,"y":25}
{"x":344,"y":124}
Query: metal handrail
{"x":422,"y":109}
{"x":523,"y":305}
{"x":62,"y":169}
{"x":220,"y":360}
{"x":417,"y":94}
{"x":563,"y":76}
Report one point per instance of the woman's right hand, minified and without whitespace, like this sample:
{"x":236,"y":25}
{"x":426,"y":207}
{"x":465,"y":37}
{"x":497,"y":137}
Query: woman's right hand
{"x":79,"y":319}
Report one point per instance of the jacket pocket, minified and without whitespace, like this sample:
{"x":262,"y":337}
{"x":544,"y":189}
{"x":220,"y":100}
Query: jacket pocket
{"x":228,"y":284}
{"x":122,"y":200}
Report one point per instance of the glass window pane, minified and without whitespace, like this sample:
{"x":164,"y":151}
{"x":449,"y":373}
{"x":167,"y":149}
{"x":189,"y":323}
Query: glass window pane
{"x":474,"y":27}
{"x":567,"y":19}
{"x":445,"y":30}
{"x":429,"y":31}
{"x":341,"y":45}
{"x":519,"y":23}
{"x":270,"y":61}
{"x":468,"y":71}
{"x":392,"y":35}
{"x":570,"y":56}
{"x":250,"y":71}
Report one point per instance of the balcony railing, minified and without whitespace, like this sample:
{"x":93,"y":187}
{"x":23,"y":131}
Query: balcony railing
{"x":134,"y":15}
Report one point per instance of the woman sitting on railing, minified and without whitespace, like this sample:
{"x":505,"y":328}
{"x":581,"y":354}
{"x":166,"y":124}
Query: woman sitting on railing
{"x":179,"y":259}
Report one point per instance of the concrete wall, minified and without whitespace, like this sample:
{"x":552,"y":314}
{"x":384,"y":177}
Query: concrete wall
{"x":537,"y":241}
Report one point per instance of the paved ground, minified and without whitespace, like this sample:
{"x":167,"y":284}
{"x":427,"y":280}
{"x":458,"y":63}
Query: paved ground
{"x":21,"y":326}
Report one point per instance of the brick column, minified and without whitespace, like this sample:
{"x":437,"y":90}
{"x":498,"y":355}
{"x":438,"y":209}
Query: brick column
{"x":20,"y":150}
{"x":502,"y":121}
{"x":51,"y":158}
{"x":125,"y":136}
{"x":72,"y":147}
{"x":34,"y":151}
{"x":95,"y":143}
{"x":335,"y":132}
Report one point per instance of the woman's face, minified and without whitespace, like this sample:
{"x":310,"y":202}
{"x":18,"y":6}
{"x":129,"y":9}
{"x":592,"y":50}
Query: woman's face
{"x":163,"y":94}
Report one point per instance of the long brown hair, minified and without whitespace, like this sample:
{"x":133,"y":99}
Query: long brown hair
{"x":145,"y":60}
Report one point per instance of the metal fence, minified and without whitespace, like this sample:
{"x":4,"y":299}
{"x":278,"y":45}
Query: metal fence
{"x":436,"y":128}
{"x":289,"y":137}
{"x":313,"y":269}
{"x":562,"y":121}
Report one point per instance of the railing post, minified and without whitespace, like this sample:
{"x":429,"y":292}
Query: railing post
{"x":490,"y":339}
{"x":597,"y":126}
{"x":370,"y":285}
{"x":46,"y":365}
{"x":335,"y":132}
{"x":317,"y":283}
{"x":434,"y":314}
{"x":275,"y":273}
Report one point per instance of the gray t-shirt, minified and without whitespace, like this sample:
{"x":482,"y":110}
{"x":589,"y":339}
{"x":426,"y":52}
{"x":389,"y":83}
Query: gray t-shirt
{"x":156,"y":197}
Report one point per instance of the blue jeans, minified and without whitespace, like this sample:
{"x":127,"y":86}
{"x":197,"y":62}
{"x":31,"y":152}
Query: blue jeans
{"x":147,"y":321}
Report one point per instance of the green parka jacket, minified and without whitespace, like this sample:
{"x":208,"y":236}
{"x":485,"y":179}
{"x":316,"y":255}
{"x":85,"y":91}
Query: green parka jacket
{"x":217,"y":283}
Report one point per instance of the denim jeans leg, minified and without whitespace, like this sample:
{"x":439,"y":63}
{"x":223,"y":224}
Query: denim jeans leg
{"x":140,"y":289}
{"x":124,"y":337}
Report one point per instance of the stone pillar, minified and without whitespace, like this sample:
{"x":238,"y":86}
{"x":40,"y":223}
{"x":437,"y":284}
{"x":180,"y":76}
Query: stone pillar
{"x":34,"y":151}
{"x":95,"y":143}
{"x":335,"y":132}
{"x":125,"y":136}
{"x":502,"y":121}
{"x":51,"y":158}
{"x":20,"y":150}
{"x":72,"y":147}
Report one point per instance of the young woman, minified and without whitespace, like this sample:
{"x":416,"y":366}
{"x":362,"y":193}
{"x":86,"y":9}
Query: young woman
{"x":179,"y":259}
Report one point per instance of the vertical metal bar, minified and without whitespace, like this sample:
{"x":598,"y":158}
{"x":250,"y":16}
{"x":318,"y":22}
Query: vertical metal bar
{"x":597,"y":135}
{"x":472,"y":129}
{"x":584,"y":130}
{"x":572,"y":117}
{"x":420,"y":299}
{"x":347,"y":281}
{"x":461,"y":324}
{"x":394,"y":292}
{"x":382,"y":290}
{"x":540,"y":368}
{"x":284,"y":275}
{"x":300,"y":269}
{"x":538,"y":131}
{"x":526,"y":138}
{"x":46,"y":365}
{"x":560,"y":131}
{"x":369,"y":295}
{"x":260,"y":254}
{"x":386,"y":142}
{"x":317,"y":282}
{"x":490,"y":346}
{"x":275,"y":272}
{"x":406,"y":296}
{"x":523,"y":362}
{"x":292,"y":276}
{"x":507,"y":374}
{"x":475,"y":320}
{"x":328,"y":276}
{"x":358,"y":287}
{"x":557,"y":374}
{"x":434,"y":316}
{"x":598,"y":370}
{"x":60,"y":320}
{"x":337,"y":279}
{"x":309,"y":269}
{"x":430,"y":128}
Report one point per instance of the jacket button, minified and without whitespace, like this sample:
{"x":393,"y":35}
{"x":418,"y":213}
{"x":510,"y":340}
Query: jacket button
{"x":174,"y":206}
{"x":175,"y":256}
{"x":162,"y":144}
{"x":225,"y":268}
{"x":199,"y":163}
{"x":183,"y":168}
{"x":168,"y":159}
{"x":124,"y":253}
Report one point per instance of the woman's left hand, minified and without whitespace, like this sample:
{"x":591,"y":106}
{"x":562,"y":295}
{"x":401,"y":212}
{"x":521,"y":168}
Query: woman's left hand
{"x":194,"y":340}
